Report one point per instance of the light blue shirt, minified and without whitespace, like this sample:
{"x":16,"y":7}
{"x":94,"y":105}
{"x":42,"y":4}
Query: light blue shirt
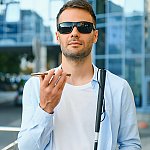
{"x":118,"y":128}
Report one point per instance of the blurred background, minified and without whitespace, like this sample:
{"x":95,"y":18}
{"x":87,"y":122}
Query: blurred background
{"x":28,"y":44}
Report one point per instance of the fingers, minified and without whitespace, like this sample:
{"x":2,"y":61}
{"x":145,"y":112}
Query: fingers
{"x":41,"y":78}
{"x":60,"y":83}
{"x":45,"y":79}
{"x":51,"y":88}
{"x":54,"y":81}
{"x":60,"y":88}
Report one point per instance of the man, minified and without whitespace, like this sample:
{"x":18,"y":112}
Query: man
{"x":59,"y":111}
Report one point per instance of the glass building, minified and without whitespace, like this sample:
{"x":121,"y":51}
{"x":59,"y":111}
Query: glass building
{"x":123,"y":45}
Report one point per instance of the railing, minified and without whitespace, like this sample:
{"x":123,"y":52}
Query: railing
{"x":13,"y":145}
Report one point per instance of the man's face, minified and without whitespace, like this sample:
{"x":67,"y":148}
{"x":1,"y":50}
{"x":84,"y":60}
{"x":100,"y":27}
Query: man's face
{"x":76,"y":45}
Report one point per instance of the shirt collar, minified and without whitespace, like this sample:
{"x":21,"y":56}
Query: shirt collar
{"x":95,"y":73}
{"x":94,"y":78}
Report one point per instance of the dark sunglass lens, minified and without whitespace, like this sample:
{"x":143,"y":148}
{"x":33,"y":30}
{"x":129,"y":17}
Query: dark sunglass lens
{"x":85,"y":27}
{"x":65,"y":28}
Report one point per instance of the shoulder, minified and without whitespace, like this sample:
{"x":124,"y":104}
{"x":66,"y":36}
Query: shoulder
{"x":31,"y":91}
{"x":115,"y":79}
{"x":33,"y":81}
{"x":112,"y":79}
{"x":117,"y":84}
{"x":32,"y":85}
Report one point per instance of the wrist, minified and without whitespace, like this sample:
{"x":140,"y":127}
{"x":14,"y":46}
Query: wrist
{"x":50,"y":111}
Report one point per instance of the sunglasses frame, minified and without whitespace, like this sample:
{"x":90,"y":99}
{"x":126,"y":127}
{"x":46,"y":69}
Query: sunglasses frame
{"x":82,"y":26}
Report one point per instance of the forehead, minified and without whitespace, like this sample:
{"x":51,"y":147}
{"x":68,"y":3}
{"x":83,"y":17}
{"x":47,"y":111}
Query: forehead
{"x":75,"y":15}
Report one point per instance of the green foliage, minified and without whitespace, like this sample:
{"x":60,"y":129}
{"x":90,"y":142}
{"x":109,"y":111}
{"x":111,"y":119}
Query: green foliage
{"x":10,"y":62}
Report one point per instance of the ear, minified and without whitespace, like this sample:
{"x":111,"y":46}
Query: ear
{"x":57,"y":37}
{"x":95,"y":36}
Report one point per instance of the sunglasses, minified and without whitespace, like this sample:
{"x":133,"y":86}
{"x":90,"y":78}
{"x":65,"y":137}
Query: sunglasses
{"x":83,"y":27}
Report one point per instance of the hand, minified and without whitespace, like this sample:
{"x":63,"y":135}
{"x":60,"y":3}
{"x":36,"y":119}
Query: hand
{"x":51,"y":87}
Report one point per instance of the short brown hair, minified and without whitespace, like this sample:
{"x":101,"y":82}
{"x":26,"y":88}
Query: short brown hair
{"x":82,"y":4}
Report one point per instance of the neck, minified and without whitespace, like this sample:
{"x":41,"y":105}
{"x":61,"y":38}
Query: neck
{"x":81,"y":72}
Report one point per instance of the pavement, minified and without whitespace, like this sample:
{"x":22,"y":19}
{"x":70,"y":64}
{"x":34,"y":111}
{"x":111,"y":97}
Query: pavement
{"x":145,"y":138}
{"x":144,"y":130}
{"x":6,"y":96}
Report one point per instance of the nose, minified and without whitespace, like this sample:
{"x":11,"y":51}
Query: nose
{"x":75,"y":32}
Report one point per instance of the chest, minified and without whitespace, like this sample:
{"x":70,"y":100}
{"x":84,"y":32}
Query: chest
{"x":74,"y":118}
{"x":78,"y":103}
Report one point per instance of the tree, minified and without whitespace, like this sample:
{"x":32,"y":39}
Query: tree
{"x":10,"y":62}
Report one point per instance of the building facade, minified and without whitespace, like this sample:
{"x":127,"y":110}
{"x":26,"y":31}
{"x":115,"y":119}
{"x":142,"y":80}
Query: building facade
{"x":22,"y":32}
{"x":123,"y":46}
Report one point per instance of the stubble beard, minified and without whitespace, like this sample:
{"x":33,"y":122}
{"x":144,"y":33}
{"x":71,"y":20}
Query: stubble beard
{"x":76,"y":57}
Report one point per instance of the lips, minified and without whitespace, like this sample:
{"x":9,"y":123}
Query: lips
{"x":75,"y":43}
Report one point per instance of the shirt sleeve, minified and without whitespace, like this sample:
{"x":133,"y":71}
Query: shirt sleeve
{"x":128,"y":136}
{"x":37,"y":125}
